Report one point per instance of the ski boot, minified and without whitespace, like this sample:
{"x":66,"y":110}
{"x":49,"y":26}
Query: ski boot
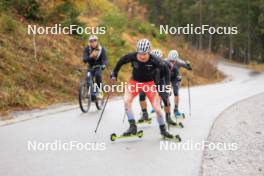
{"x":166,"y":135}
{"x":132,"y":130}
{"x":178,"y":115}
{"x":144,"y":118}
{"x":169,"y":120}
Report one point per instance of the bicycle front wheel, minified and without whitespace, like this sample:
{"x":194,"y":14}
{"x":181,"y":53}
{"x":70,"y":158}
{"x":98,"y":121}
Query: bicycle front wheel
{"x":100,"y":100}
{"x":84,"y":96}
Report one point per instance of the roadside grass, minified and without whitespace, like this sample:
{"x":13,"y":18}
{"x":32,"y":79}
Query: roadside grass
{"x":258,"y":67}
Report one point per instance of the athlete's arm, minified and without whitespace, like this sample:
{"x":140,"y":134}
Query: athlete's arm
{"x":123,"y":60}
{"x":86,"y":57}
{"x":183,"y":64}
{"x":167,"y":73}
{"x":104,"y":58}
{"x":161,"y":64}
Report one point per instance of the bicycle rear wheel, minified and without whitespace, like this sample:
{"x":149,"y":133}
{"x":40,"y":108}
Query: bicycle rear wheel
{"x":84,"y":97}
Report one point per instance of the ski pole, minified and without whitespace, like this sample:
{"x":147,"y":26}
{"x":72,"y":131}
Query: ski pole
{"x":124,"y":116}
{"x":101,"y":114}
{"x":189,"y":93}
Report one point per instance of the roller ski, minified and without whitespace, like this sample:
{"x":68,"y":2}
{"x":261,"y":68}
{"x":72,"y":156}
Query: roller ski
{"x":144,"y":119}
{"x":170,"y":122}
{"x":114,"y":136}
{"x":131,"y":132}
{"x":167,"y":136}
{"x":179,"y":114}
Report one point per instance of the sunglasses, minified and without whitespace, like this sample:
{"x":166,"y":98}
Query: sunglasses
{"x":93,"y":40}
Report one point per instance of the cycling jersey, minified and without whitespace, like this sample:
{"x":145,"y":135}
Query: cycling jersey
{"x":100,"y":59}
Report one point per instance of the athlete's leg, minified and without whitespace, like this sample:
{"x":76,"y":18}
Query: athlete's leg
{"x":165,"y":98}
{"x":98,"y":76}
{"x":142,"y":101}
{"x":154,"y":99}
{"x":155,"y":102}
{"x":143,"y":105}
{"x":130,"y":94}
{"x":175,"y":86}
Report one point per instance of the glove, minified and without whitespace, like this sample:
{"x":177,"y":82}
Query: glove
{"x":188,"y":64}
{"x":113,"y":77}
{"x":179,"y":78}
{"x":94,"y":54}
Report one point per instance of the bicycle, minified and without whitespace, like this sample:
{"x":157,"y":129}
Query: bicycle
{"x":88,"y":93}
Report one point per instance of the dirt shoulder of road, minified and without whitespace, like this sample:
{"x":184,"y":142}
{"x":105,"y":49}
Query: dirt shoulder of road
{"x":241,"y":124}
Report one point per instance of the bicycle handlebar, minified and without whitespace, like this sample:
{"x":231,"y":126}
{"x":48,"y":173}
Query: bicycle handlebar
{"x":87,"y":69}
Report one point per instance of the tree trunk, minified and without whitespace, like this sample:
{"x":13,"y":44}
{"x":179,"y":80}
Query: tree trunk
{"x":210,"y":43}
{"x":230,"y":48}
{"x":35,"y":47}
{"x":248,"y":37}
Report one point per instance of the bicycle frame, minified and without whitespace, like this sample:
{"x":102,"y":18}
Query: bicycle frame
{"x":90,"y":79}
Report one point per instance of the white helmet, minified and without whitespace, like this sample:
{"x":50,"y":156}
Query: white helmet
{"x":92,"y":37}
{"x":157,"y":52}
{"x":173,"y":55}
{"x":143,"y":46}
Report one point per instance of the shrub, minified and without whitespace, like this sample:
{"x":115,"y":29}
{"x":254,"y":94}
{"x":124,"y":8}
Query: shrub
{"x":115,"y":25}
{"x":30,"y":9}
{"x":116,"y":21}
{"x":7,"y":23}
{"x":66,"y":13}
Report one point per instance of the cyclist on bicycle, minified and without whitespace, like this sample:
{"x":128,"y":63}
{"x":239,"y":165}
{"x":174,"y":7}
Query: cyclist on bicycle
{"x":143,"y":64}
{"x":174,"y":59}
{"x":95,"y":55}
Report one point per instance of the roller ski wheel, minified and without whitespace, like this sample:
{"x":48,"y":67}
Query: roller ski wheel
{"x":114,"y":136}
{"x":167,"y":136}
{"x":177,"y":125}
{"x":146,"y":121}
{"x":176,"y":138}
{"x":180,"y":125}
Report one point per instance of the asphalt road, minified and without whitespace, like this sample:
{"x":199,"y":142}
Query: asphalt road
{"x":130,"y":157}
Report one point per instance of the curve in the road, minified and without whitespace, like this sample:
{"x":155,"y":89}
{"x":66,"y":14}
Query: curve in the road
{"x":136,"y":157}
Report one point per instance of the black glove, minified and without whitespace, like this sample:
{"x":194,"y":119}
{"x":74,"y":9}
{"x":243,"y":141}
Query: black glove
{"x":188,"y":65}
{"x":113,"y":77}
{"x":179,"y":78}
{"x":102,"y":67}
